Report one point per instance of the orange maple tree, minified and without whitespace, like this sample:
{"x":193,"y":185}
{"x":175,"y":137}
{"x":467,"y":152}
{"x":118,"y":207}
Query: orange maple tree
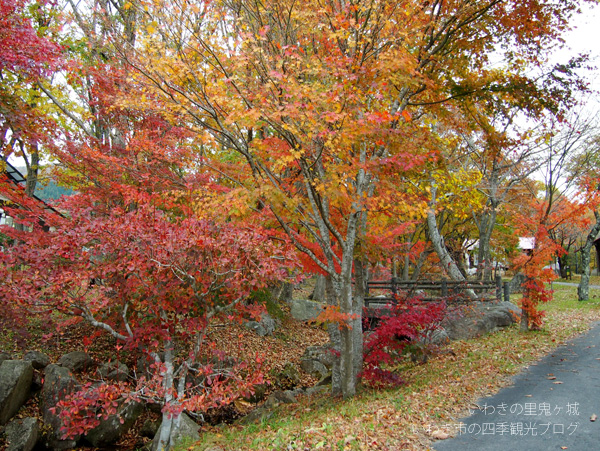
{"x":307,"y":109}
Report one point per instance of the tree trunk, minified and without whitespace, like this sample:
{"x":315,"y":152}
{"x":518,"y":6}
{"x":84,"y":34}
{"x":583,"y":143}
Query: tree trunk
{"x":170,"y":423}
{"x":417,"y":272}
{"x":335,"y":338}
{"x":347,"y":337}
{"x":583,"y":290}
{"x":448,"y":263}
{"x":360,"y":284}
{"x":33,"y":167}
{"x":524,"y":326}
{"x":318,"y":293}
{"x":485,"y":227}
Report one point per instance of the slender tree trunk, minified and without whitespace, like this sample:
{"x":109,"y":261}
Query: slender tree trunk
{"x":334,"y":337}
{"x":417,"y":272}
{"x":360,"y":283}
{"x":485,"y":227}
{"x":406,"y":267}
{"x":318,"y":293}
{"x":448,"y":263}
{"x":170,"y":423}
{"x":347,"y":337}
{"x":583,"y":290}
{"x":33,"y":167}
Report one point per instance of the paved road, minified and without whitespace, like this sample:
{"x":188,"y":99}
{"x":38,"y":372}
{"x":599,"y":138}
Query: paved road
{"x":548,"y":407}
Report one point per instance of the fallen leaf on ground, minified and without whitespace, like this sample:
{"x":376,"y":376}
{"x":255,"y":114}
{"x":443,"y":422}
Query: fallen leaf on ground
{"x":440,"y":435}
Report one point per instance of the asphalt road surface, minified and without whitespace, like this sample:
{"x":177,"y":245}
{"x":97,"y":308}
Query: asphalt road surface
{"x":550,"y":406}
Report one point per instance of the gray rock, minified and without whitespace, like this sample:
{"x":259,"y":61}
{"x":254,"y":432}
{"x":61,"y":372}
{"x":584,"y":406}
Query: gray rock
{"x":258,"y":414}
{"x":4,"y":356}
{"x":114,"y":371}
{"x":15,"y":385}
{"x":266,"y":325}
{"x":324,"y":354}
{"x":436,"y":337}
{"x":317,"y":389}
{"x":324,"y":382}
{"x":188,"y":430}
{"x":258,"y":395}
{"x":109,"y":431}
{"x":38,"y":359}
{"x":282,"y":291}
{"x":479,"y":318}
{"x":149,"y":428}
{"x":305,"y":310}
{"x":280,"y":397}
{"x":314,"y":367}
{"x":22,"y":435}
{"x":59,"y":382}
{"x":288,"y":377}
{"x":76,"y":361}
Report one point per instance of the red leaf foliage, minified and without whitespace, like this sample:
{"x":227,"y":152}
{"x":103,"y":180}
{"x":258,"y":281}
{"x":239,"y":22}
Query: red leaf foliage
{"x":407,"y":325}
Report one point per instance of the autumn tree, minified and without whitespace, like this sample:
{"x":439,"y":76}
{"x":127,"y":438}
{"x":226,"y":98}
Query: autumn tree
{"x":26,"y":56}
{"x":130,"y":257}
{"x":582,"y":171}
{"x":307,"y":107}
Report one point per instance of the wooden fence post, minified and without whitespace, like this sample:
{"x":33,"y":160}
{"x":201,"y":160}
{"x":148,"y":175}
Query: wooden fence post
{"x":498,"y":288}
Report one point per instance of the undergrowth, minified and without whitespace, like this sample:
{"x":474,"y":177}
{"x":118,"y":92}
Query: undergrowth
{"x":435,"y":394}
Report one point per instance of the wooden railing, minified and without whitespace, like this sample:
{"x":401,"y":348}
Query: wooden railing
{"x":435,"y":290}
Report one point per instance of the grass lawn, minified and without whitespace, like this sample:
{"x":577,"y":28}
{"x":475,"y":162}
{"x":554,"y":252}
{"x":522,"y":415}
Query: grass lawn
{"x":436,"y":394}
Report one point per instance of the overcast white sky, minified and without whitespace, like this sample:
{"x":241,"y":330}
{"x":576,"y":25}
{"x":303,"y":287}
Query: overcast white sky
{"x":585,"y":38}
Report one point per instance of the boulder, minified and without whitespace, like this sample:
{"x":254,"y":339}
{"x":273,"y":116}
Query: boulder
{"x":280,"y":397}
{"x":286,"y":378}
{"x":324,"y":354}
{"x":258,"y":414}
{"x":76,"y":361}
{"x":59,"y":382}
{"x":314,"y":367}
{"x":4,"y":356}
{"x":260,"y":391}
{"x":305,"y":310}
{"x":317,"y":389}
{"x":15,"y":385}
{"x":480,"y":318}
{"x":149,"y":428}
{"x":438,"y":336}
{"x":22,"y":435}
{"x":114,"y":371}
{"x":188,"y":430}
{"x":282,"y":291}
{"x":110,"y":430}
{"x":266,"y":325}
{"x":38,"y":359}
